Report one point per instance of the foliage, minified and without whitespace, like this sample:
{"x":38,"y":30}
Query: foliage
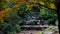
{"x":12,"y":10}
{"x":9,"y":27}
{"x":51,"y":29}
{"x":22,"y":9}
{"x":48,"y":14}
{"x":1,"y":4}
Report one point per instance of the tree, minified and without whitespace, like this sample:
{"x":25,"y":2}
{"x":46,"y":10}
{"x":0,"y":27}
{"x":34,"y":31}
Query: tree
{"x":12,"y":10}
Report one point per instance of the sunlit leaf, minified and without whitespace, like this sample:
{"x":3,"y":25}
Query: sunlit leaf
{"x":42,"y":3}
{"x":52,"y":6}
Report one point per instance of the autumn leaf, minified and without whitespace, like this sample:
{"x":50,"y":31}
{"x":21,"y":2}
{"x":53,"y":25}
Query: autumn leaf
{"x":8,"y":12}
{"x":52,"y":6}
{"x":1,"y":20}
{"x":2,"y":13}
{"x":29,"y":6}
{"x":18,"y":5}
{"x":42,"y":3}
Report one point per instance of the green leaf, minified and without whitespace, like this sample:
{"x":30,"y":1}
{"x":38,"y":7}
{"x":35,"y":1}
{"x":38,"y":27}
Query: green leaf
{"x":52,"y":0}
{"x":42,"y":11}
{"x":5,"y":6}
{"x":17,"y":28}
{"x":22,"y":9}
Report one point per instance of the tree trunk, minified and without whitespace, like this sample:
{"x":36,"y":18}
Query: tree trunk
{"x":58,"y":10}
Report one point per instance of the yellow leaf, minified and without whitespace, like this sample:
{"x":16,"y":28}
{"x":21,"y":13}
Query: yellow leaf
{"x":1,"y":20}
{"x":35,"y":5}
{"x":52,"y":6}
{"x":42,"y":3}
{"x":29,"y":6}
{"x":8,"y":9}
{"x":8,"y":12}
{"x":31,"y":0}
{"x":18,"y":5}
{"x":12,"y":0}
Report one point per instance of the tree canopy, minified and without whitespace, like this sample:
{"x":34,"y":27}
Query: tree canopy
{"x":12,"y":12}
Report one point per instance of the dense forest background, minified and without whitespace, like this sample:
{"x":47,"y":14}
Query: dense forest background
{"x":16,"y":12}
